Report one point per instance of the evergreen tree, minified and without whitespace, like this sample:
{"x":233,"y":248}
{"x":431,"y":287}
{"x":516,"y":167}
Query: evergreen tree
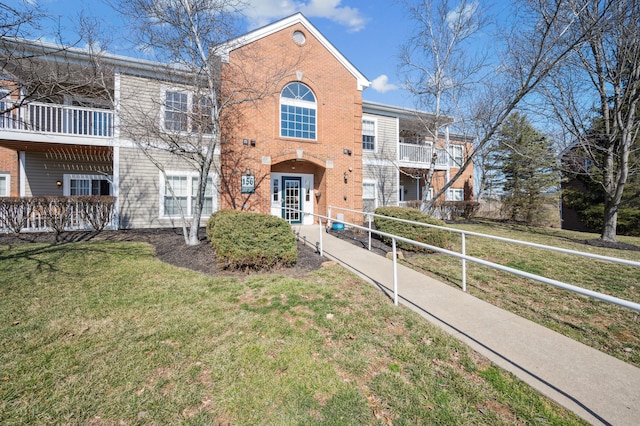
{"x":526,"y":166}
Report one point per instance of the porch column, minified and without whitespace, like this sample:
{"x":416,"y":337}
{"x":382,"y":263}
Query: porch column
{"x":22,"y":180}
{"x":115,"y":184}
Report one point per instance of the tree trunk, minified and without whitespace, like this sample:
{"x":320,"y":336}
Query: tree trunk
{"x":426,"y":203}
{"x":610,"y":221}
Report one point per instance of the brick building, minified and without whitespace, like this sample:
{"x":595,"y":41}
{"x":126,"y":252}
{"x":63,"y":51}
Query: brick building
{"x":308,"y":142}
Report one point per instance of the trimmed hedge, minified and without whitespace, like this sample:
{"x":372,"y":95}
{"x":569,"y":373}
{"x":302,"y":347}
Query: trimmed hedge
{"x":422,"y":234}
{"x":244,"y":240}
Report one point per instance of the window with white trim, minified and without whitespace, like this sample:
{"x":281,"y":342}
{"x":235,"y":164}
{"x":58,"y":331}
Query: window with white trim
{"x":297,"y":112}
{"x":201,"y":115}
{"x":455,"y":194}
{"x":178,"y":193}
{"x":455,"y":155}
{"x":368,"y":135}
{"x":185,"y":111}
{"x":86,"y":185}
{"x":176,"y":106}
{"x":5,"y":184}
{"x":275,"y":192}
{"x":430,"y":194}
{"x":369,"y":196}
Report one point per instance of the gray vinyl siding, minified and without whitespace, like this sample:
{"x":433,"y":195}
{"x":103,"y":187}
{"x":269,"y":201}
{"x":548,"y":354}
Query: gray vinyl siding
{"x":140,"y":189}
{"x":386,"y":179}
{"x":43,"y":170}
{"x":139,"y":104}
{"x":379,"y":166}
{"x":386,"y":138}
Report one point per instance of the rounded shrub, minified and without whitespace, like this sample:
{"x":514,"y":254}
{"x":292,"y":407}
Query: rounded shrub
{"x":244,"y":240}
{"x":422,"y":234}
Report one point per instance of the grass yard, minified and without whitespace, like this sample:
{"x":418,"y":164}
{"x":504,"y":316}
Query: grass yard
{"x":609,"y":328}
{"x":103,"y":333}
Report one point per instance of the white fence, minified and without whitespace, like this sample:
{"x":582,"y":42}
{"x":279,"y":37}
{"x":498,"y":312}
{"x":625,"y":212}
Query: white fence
{"x":464,"y":258}
{"x":76,"y":218}
{"x":57,"y":119}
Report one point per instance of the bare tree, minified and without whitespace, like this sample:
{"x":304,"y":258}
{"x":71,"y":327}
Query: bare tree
{"x":192,"y":37}
{"x":20,"y":20}
{"x":542,"y":34}
{"x":438,"y":67}
{"x":595,"y":97}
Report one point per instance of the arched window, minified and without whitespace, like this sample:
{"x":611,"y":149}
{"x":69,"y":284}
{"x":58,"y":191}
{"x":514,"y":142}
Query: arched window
{"x":297,"y":112}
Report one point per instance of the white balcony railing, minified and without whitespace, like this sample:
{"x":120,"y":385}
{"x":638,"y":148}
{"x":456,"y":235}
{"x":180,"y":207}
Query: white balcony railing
{"x":421,"y":155}
{"x":57,"y":119}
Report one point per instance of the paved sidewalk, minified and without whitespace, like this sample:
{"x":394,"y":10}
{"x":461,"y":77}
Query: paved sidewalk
{"x":596,"y":386}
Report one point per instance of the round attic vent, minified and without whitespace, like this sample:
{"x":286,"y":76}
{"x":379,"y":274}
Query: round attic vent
{"x":299,"y":37}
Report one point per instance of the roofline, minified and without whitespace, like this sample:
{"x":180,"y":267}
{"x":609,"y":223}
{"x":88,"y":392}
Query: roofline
{"x":399,"y":111}
{"x":119,"y":62}
{"x":408,"y":113}
{"x":225,"y":48}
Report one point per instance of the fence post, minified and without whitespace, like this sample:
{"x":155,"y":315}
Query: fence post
{"x":370,"y":215}
{"x":464,"y":263}
{"x":395,"y":274}
{"x":329,"y":214}
{"x":321,"y":232}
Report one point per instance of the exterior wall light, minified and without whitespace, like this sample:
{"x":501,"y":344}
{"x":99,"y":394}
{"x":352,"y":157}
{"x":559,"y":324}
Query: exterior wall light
{"x":346,"y":177}
{"x":59,"y":183}
{"x":248,"y":172}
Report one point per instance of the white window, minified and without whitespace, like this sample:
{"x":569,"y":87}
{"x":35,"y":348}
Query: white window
{"x":430,"y":194}
{"x":275,"y":192}
{"x":178,"y":193}
{"x":455,"y":156}
{"x":368,"y":135}
{"x":5,"y":184}
{"x":86,"y":185}
{"x":297,"y":112}
{"x":369,"y":198}
{"x":455,"y":194}
{"x":207,"y":203}
{"x":176,"y":105}
{"x":185,"y":111}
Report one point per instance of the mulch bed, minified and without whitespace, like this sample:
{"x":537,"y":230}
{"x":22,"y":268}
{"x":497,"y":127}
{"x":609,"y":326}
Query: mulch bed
{"x":170,"y":248}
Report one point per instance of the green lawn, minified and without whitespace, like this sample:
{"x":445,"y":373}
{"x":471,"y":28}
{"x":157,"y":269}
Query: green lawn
{"x":103,"y":333}
{"x":609,"y":328}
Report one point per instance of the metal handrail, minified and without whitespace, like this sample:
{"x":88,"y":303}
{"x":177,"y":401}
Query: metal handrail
{"x":503,"y":239}
{"x":586,"y":292}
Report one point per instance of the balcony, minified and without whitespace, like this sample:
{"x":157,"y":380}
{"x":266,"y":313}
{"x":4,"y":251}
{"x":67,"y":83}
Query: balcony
{"x":419,"y":156}
{"x":54,"y":119}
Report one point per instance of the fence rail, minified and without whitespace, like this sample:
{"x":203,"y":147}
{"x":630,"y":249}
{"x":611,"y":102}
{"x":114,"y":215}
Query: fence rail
{"x":58,"y":119}
{"x":464,"y":257}
{"x":41,"y":216}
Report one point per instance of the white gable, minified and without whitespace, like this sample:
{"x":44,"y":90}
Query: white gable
{"x":224,"y":49}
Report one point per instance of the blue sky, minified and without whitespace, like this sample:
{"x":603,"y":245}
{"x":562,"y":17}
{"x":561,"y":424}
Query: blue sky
{"x":367,"y":32}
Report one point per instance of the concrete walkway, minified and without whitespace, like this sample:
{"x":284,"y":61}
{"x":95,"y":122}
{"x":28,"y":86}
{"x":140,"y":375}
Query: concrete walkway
{"x":596,"y":386}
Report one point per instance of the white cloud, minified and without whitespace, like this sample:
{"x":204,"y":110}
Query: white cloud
{"x":262,"y":12}
{"x":462,"y":13}
{"x":381,"y":84}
